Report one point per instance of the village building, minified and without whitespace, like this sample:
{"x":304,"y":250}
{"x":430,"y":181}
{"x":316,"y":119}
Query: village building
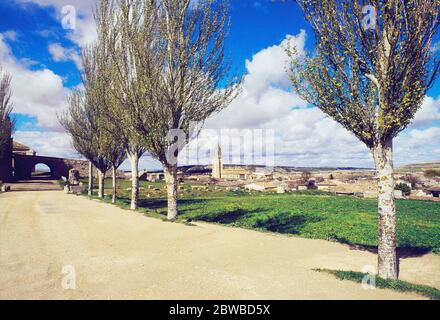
{"x":217,"y":164}
{"x":18,"y":148}
{"x":18,"y":162}
{"x":235,"y":172}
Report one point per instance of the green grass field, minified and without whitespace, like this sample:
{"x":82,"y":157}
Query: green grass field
{"x":306,"y":214}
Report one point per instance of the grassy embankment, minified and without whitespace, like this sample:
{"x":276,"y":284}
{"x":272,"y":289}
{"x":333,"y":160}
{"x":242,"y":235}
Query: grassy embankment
{"x":306,"y":214}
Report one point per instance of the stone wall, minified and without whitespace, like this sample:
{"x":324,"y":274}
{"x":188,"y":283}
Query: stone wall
{"x":83,"y":168}
{"x":81,"y":165}
{"x":6,"y":164}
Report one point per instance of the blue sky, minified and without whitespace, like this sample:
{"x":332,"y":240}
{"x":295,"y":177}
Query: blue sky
{"x":44,"y":60}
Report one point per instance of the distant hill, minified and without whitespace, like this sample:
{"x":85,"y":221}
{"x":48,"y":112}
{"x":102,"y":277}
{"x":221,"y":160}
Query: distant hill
{"x":420,"y":166}
{"x":206,"y":169}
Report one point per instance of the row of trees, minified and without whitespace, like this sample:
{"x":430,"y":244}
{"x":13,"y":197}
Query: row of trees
{"x":155,"y":70}
{"x":6,"y":123}
{"x":149,"y":82}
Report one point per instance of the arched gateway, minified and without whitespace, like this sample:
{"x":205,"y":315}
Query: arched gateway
{"x":24,"y":166}
{"x":19,"y":163}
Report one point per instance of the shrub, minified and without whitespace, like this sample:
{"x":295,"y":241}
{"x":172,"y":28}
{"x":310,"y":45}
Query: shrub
{"x":311,"y":185}
{"x":406,"y":190}
{"x":413,"y":180}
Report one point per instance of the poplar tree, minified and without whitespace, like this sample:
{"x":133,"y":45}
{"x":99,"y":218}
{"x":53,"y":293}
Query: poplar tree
{"x":115,"y":21}
{"x":186,"y":66}
{"x":370,"y":71}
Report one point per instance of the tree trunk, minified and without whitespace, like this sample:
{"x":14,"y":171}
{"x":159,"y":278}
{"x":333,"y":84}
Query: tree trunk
{"x":101,"y":184}
{"x":134,"y":160}
{"x":387,"y":258}
{"x":114,"y":184}
{"x":90,"y":179}
{"x":171,"y":182}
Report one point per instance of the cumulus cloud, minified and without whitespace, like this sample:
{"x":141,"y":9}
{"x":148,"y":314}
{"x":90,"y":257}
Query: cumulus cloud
{"x":264,"y":96}
{"x":59,"y":53}
{"x":305,"y":136}
{"x":429,"y":112}
{"x":52,"y":144}
{"x":418,"y":145}
{"x":39,"y":93}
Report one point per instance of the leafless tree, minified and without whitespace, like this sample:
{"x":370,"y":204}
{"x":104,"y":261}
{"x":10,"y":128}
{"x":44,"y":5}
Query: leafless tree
{"x":81,"y":122}
{"x":370,"y":73}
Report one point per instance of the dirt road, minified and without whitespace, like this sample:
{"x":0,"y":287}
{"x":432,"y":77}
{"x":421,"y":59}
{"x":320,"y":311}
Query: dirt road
{"x":51,"y":242}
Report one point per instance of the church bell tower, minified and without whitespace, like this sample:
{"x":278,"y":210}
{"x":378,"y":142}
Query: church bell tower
{"x":217,"y":165}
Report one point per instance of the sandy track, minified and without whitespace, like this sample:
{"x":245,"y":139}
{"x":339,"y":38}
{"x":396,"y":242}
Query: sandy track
{"x":118,"y":254}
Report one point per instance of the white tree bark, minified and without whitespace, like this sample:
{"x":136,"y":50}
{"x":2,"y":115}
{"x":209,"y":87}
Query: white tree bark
{"x":387,"y":258}
{"x":90,"y":179}
{"x":171,"y":182}
{"x":101,"y":176}
{"x":134,"y":160}
{"x":114,"y":184}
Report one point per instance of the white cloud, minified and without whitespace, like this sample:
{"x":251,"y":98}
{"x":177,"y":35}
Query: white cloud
{"x":305,"y":136}
{"x":85,"y":31}
{"x":39,"y":93}
{"x":10,"y":35}
{"x":59,"y":53}
{"x":429,"y":112}
{"x":418,"y":145}
{"x":265,"y":96}
{"x":52,"y":144}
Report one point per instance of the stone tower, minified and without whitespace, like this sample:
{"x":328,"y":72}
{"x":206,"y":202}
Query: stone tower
{"x":217,"y":165}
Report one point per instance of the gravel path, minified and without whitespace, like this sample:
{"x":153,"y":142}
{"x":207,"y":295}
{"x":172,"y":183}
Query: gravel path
{"x":117,"y":254}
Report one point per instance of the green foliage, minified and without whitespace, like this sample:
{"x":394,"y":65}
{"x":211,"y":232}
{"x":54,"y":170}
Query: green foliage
{"x":406,"y":190}
{"x":397,"y":285}
{"x":350,"y":65}
{"x":310,"y":214}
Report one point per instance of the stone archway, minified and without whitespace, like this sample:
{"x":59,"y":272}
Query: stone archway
{"x":24,"y":166}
